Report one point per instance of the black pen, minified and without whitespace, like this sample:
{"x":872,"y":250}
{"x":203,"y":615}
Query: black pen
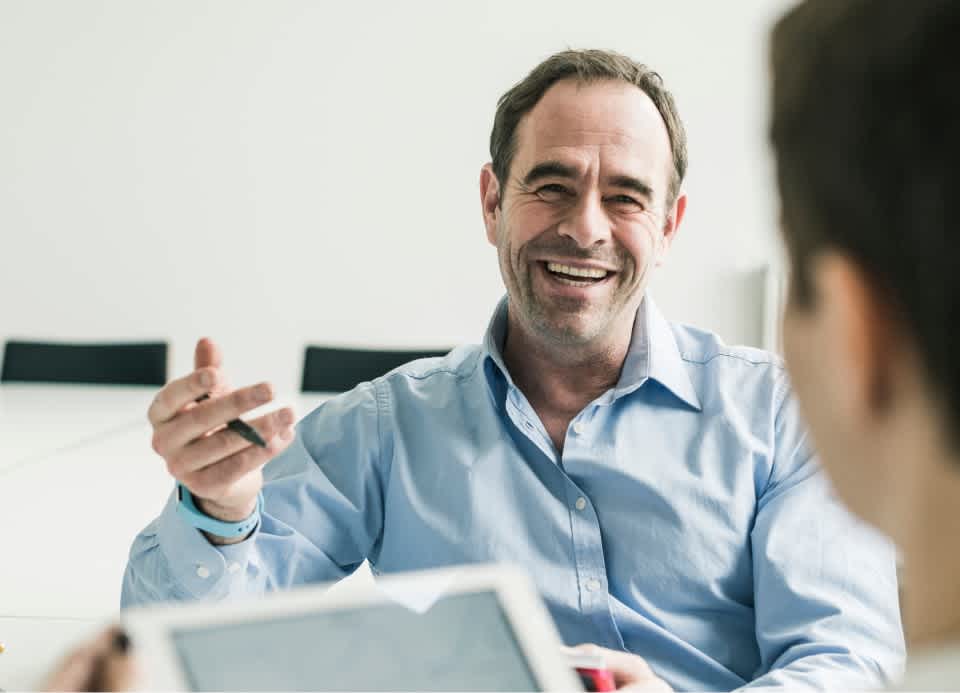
{"x":240,"y":427}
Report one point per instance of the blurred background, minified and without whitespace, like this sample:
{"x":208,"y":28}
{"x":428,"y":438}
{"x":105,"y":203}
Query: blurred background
{"x":280,"y":173}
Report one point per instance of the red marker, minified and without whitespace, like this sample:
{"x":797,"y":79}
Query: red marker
{"x":592,"y":669}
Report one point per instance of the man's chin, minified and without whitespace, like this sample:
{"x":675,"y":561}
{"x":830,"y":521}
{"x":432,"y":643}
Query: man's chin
{"x":569,"y":332}
{"x":565,"y":322}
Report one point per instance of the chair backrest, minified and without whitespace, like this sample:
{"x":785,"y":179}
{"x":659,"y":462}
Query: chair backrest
{"x":332,"y":369}
{"x":115,"y":364}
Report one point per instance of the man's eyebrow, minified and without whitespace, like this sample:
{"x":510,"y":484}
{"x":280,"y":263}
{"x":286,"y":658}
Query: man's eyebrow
{"x":630,"y":183}
{"x":548,"y":169}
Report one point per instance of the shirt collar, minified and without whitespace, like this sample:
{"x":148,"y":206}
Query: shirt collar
{"x":653,"y":354}
{"x":494,"y":367}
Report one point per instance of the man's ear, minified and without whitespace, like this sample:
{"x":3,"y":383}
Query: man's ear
{"x":863,"y":332}
{"x":490,"y":201}
{"x":671,"y":226}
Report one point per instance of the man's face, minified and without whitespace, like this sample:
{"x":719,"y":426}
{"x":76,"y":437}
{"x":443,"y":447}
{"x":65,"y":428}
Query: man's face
{"x":582,"y":218}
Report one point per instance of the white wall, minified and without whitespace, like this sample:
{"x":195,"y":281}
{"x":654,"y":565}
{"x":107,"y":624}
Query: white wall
{"x":283,"y":172}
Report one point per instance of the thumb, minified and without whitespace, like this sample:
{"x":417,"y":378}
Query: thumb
{"x":117,"y":673}
{"x":207,"y":353}
{"x":115,"y":670}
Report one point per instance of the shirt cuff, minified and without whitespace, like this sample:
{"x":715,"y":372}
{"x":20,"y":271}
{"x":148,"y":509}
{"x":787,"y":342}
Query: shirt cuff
{"x":199,"y":567}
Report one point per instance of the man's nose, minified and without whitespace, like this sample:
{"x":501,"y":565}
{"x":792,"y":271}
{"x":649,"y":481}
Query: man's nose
{"x":587,"y":223}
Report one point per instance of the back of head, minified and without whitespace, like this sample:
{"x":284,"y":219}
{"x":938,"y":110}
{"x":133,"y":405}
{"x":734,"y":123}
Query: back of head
{"x":866,"y":129}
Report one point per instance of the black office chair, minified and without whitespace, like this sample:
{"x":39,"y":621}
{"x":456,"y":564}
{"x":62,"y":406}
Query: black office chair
{"x":331,"y":369}
{"x":95,"y":364}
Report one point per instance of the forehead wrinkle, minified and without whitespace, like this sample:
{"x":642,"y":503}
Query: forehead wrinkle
{"x":590,"y":161}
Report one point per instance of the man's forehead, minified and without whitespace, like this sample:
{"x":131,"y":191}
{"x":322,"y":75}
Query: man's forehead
{"x":612,"y":118}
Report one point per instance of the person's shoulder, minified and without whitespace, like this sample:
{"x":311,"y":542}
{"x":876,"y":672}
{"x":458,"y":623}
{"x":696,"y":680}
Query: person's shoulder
{"x":755,"y":375}
{"x":701,"y":347}
{"x":434,"y":379}
{"x":459,"y":364}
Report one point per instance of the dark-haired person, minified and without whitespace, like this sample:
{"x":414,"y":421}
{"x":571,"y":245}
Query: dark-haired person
{"x":866,"y":129}
{"x":655,"y":482}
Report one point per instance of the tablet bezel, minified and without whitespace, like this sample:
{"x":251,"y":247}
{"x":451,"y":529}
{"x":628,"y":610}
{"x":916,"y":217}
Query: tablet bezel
{"x":150,"y":628}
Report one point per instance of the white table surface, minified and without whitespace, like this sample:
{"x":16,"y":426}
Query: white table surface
{"x":69,"y":521}
{"x":34,"y":646}
{"x":70,"y":512}
{"x":37,"y":420}
{"x":78,"y":480}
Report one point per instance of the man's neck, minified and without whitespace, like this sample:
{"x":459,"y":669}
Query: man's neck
{"x":560,"y":379}
{"x":932,"y":569}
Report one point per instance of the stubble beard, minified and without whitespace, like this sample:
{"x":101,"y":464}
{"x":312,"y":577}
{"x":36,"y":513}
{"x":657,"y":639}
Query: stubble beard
{"x":540,"y":317}
{"x":566,"y":325}
{"x":557,"y":324}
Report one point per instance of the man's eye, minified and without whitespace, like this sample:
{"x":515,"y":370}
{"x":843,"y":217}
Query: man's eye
{"x":626,"y":201}
{"x":553,"y":191}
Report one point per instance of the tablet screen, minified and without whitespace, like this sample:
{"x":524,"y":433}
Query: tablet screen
{"x":462,"y":643}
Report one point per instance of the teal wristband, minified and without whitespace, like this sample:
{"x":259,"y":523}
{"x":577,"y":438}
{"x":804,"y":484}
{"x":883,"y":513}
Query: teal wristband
{"x":199,"y":519}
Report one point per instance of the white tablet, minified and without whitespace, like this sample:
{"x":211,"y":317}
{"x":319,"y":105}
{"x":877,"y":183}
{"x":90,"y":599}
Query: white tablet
{"x":483,"y":629}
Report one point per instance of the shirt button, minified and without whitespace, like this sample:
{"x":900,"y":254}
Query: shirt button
{"x":579,"y":428}
{"x":203,"y":572}
{"x":233,"y":567}
{"x":581,"y":503}
{"x":593,"y":585}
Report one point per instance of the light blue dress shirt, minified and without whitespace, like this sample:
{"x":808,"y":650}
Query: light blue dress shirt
{"x":685,"y":520}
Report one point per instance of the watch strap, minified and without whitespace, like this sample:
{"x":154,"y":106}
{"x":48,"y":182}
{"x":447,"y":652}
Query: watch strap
{"x":188,"y":509}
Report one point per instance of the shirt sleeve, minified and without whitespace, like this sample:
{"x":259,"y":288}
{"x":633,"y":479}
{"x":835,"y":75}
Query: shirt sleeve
{"x":322,"y":514}
{"x":825,"y":585}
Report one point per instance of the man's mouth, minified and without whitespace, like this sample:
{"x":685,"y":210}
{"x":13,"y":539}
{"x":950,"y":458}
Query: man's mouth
{"x":576,"y":276}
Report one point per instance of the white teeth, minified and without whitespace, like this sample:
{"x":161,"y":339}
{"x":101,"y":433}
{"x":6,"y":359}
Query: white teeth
{"x":576,"y":271}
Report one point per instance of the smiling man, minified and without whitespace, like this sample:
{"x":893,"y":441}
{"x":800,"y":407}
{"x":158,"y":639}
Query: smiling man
{"x":586,"y":210}
{"x":655,"y":482}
